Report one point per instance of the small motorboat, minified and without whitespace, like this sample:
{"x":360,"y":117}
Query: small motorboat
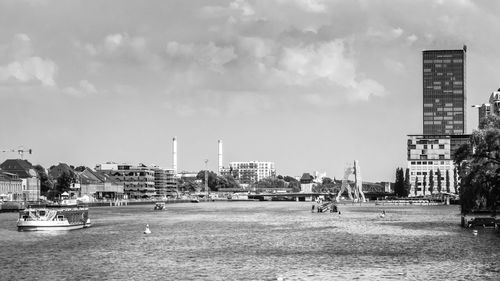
{"x":159,"y":206}
{"x":382,"y":215}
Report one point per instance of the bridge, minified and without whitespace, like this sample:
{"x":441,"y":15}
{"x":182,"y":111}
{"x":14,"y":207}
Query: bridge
{"x":309,"y":196}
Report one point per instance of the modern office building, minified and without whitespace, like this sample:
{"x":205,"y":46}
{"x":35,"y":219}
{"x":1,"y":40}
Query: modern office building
{"x":165,"y":181}
{"x":430,"y":153}
{"x":444,"y":122}
{"x":138,"y":181}
{"x":251,"y":171}
{"x":444,"y":92}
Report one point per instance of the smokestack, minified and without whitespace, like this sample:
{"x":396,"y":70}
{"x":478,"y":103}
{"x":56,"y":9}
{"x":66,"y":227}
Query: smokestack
{"x":220,"y":156}
{"x":174,"y":155}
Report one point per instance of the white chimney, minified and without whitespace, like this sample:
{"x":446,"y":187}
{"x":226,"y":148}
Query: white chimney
{"x":174,"y":155}
{"x":220,"y":156}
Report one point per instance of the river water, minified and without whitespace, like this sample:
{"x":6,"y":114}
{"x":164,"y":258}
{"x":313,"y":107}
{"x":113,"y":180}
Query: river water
{"x":254,"y":241}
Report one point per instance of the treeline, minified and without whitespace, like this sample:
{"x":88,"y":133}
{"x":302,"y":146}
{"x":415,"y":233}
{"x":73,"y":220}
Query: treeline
{"x":479,"y":167}
{"x":217,"y":182}
{"x":53,"y":186}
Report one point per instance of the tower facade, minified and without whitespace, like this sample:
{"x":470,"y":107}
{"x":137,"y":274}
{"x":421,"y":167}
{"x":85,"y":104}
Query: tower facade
{"x":444,"y":92}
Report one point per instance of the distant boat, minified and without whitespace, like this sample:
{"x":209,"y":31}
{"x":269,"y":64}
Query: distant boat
{"x":65,"y":216}
{"x":159,"y":206}
{"x":195,"y":200}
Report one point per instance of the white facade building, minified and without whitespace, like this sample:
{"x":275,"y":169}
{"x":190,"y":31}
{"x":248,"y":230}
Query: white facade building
{"x":430,"y":153}
{"x":251,"y":171}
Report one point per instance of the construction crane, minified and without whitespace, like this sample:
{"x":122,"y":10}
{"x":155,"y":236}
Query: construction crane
{"x":20,"y":150}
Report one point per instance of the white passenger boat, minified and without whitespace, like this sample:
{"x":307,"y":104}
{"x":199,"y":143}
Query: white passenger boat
{"x":54,"y":217}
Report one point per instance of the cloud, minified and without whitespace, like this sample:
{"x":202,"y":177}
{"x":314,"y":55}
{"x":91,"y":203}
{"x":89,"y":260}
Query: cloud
{"x":385,"y":33}
{"x":84,"y":88}
{"x":394,"y":66}
{"x":120,"y":48}
{"x":312,"y":6}
{"x":207,"y":55}
{"x":326,"y":64}
{"x":25,"y":67}
{"x":243,"y":6}
{"x":412,"y":39}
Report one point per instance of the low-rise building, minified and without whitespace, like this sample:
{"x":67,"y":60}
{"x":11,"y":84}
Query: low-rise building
{"x":11,"y":187}
{"x":29,"y":177}
{"x":99,"y":185}
{"x":306,"y":183}
{"x":430,"y":153}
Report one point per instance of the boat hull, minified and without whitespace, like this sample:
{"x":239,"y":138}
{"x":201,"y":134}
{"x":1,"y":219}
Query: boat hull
{"x":50,"y":225}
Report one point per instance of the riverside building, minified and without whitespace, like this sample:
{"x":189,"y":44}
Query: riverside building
{"x":165,"y":181}
{"x":444,"y":122}
{"x":492,"y":107}
{"x":29,"y":177}
{"x":444,"y":92}
{"x":251,"y":171}
{"x":429,"y":153}
{"x":138,"y":181}
{"x":11,"y":187}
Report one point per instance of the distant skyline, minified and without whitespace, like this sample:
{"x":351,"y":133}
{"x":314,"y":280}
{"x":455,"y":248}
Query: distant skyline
{"x":308,"y":84}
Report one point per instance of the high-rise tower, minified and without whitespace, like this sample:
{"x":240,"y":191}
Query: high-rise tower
{"x":444,"y":92}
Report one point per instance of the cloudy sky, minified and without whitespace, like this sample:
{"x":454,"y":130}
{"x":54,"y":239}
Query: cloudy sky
{"x":308,"y":84}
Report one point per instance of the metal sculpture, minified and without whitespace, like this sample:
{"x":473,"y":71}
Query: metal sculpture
{"x":359,"y":196}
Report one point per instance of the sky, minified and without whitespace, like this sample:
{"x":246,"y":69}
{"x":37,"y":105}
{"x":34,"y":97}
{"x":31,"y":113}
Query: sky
{"x":308,"y":84}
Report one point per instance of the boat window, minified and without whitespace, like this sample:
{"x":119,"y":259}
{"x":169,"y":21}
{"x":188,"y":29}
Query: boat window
{"x":60,"y":217}
{"x":42,"y":213}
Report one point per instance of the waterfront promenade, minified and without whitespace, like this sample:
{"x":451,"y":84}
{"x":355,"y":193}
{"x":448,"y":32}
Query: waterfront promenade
{"x":255,"y":241}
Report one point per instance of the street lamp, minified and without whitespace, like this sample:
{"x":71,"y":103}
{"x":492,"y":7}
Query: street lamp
{"x":206,"y":178}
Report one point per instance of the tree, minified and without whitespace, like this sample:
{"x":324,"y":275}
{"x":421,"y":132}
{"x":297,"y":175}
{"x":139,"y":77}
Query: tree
{"x":80,"y":168}
{"x":479,"y":167}
{"x":447,"y":181}
{"x":425,"y":183}
{"x":407,"y":184}
{"x":189,"y":186}
{"x":229,"y":182}
{"x":212,"y":179}
{"x":45,"y":183}
{"x":326,"y":180}
{"x":270,"y":183}
{"x":293,"y":183}
{"x":399,"y":184}
{"x":438,"y":174}
{"x":431,"y":182}
{"x":416,"y":185}
{"x":63,"y":184}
